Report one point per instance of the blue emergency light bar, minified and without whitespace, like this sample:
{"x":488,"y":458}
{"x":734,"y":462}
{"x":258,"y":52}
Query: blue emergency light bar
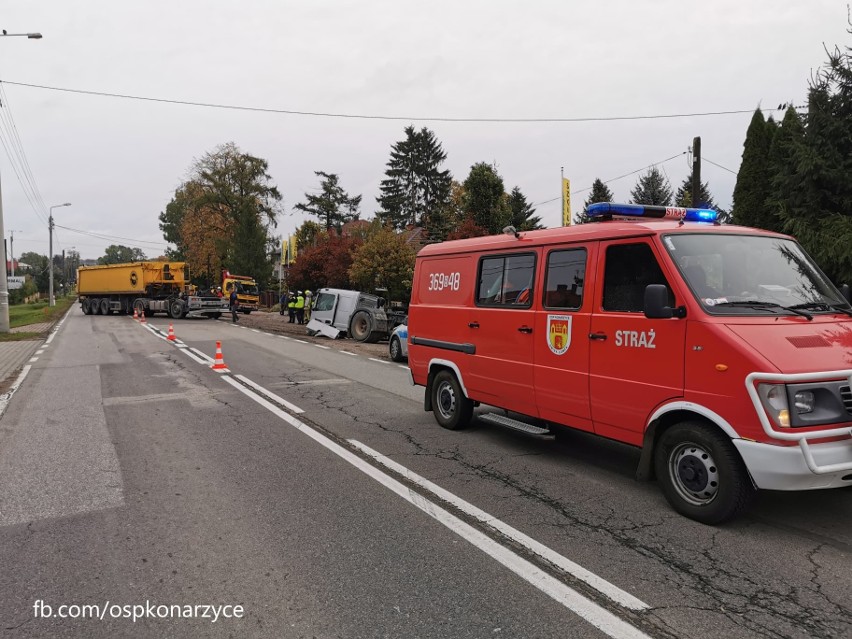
{"x":607,"y":209}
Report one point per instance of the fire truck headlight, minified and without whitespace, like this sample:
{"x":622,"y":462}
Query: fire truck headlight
{"x":819,"y":403}
{"x":804,"y":402}
{"x":774,"y":400}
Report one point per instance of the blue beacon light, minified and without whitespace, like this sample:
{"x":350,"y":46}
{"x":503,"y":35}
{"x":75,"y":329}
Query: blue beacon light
{"x":607,"y":209}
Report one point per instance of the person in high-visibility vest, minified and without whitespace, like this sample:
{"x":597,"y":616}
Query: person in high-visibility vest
{"x":300,"y":307}
{"x":291,"y":307}
{"x":309,"y":299}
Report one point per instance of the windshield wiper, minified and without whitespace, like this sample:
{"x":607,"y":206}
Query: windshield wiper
{"x":823,"y":306}
{"x":768,"y":305}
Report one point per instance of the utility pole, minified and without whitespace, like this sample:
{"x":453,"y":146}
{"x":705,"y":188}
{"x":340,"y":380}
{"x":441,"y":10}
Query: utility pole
{"x":4,"y":285}
{"x":696,"y":170}
{"x":51,"y":301}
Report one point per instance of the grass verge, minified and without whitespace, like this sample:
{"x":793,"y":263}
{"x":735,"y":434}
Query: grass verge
{"x":26,"y":314}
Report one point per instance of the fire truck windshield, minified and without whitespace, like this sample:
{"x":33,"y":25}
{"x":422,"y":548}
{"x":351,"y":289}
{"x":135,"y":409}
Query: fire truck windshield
{"x":751,"y":274}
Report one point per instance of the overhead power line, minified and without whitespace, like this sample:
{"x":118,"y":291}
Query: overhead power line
{"x":706,"y":159}
{"x":103,"y":236}
{"x":8,"y":121}
{"x":354,"y":116}
{"x":589,"y":188}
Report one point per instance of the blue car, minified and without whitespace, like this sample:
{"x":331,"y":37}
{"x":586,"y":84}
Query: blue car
{"x":398,"y":345}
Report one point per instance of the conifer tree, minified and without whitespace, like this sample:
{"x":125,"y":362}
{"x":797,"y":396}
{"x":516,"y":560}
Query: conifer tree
{"x":752,"y":187}
{"x":782,"y":170}
{"x":522,"y":214}
{"x":600,"y":193}
{"x":818,"y":209}
{"x":414,"y":186}
{"x":652,"y":188}
{"x":333,"y":206}
{"x":484,"y":198}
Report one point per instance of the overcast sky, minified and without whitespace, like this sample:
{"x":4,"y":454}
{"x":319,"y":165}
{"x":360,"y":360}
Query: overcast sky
{"x":119,"y":161}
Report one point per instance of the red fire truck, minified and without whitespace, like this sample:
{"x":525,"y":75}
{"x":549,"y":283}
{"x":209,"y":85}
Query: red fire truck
{"x":723,"y":352}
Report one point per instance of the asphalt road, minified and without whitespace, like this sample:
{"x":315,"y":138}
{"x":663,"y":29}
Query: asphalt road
{"x":302,"y":486}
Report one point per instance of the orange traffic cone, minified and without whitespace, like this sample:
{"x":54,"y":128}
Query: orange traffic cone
{"x":135,"y":316}
{"x":219,"y":363}
{"x":142,"y":318}
{"x":171,"y":337}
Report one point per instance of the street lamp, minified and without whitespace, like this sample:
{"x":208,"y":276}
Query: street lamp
{"x":4,"y":285}
{"x":50,"y":226}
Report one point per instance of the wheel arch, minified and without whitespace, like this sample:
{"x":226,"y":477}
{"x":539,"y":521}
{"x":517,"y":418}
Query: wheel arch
{"x":435,"y":366}
{"x":667,"y":416}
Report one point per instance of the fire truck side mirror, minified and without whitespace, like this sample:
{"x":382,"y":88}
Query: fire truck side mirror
{"x":656,"y":302}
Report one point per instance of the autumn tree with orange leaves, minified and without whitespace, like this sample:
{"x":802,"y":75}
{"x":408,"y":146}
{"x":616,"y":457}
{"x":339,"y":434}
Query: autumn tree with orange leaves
{"x":221,"y":217}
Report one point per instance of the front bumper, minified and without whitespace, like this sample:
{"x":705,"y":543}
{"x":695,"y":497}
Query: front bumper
{"x":774,"y":467}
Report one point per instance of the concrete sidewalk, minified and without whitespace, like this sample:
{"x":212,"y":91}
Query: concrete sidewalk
{"x":13,"y":355}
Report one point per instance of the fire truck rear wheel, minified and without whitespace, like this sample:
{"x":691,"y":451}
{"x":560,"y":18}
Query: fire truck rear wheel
{"x":702,"y":474}
{"x":452,"y":409}
{"x":105,"y":310}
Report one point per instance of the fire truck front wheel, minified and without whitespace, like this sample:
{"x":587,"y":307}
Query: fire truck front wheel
{"x":452,"y":409}
{"x":701,"y":473}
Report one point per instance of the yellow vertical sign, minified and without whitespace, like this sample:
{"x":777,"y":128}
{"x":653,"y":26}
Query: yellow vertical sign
{"x":285,"y":244}
{"x":293,"y":250}
{"x":566,"y":202}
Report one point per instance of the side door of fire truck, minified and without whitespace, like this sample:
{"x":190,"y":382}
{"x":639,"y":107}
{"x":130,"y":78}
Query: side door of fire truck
{"x":501,"y":328}
{"x":635,"y":363}
{"x":561,"y":334}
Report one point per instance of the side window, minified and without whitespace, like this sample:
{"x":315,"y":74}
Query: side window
{"x":629,"y":269}
{"x":566,"y":272}
{"x":506,"y":281}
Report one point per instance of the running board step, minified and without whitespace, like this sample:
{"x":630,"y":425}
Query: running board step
{"x":514,"y":424}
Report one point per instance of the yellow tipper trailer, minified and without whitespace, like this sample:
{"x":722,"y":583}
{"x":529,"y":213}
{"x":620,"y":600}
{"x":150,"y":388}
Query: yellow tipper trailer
{"x":146,"y":287}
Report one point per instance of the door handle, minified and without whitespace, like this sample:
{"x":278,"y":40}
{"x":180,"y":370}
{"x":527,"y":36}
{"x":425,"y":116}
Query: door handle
{"x":598,"y":336}
{"x":525,"y":329}
{"x":473,"y":324}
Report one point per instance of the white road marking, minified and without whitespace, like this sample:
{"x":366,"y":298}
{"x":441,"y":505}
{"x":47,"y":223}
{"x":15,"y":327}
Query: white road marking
{"x":327,"y":348}
{"x":348,"y":353}
{"x":270,"y":394}
{"x":203,"y":356}
{"x":7,"y":396}
{"x":40,"y":352}
{"x":301,"y":341}
{"x":380,"y":361}
{"x":254,"y":330}
{"x":283,"y":337}
{"x":568,"y":597}
{"x":189,"y":352}
{"x":33,"y":359}
{"x":598,"y":583}
{"x":403,"y":367}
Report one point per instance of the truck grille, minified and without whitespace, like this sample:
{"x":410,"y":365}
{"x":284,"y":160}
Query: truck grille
{"x":846,"y":396}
